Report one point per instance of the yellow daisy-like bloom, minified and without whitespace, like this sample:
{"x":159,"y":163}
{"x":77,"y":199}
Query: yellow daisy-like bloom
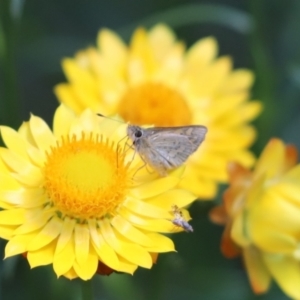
{"x":261,"y":212}
{"x":73,"y":198}
{"x":154,"y":81}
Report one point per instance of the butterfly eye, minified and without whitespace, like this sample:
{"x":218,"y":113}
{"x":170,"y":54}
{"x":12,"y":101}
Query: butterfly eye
{"x":138,"y":133}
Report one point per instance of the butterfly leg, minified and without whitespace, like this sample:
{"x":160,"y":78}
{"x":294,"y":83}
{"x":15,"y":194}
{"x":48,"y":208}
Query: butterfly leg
{"x":126,"y":147}
{"x":145,"y":164}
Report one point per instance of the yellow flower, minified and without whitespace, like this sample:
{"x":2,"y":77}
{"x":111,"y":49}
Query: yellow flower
{"x":261,"y":211}
{"x":73,"y":198}
{"x":154,"y":81}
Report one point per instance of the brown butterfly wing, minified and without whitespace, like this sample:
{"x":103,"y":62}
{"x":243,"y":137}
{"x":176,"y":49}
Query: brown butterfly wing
{"x":171,"y":146}
{"x":194,"y":133}
{"x":165,"y":148}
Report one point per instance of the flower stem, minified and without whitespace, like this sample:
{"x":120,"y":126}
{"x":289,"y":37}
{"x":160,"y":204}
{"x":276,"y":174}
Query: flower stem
{"x":86,"y":289}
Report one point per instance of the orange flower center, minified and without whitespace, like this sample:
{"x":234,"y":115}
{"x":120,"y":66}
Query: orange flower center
{"x":155,"y":104}
{"x":85,"y":177}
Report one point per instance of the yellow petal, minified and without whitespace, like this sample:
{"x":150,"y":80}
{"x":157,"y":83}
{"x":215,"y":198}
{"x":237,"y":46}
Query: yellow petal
{"x":65,"y":235}
{"x":204,"y":83}
{"x":8,"y":183}
{"x":109,"y":74}
{"x":232,"y":141}
{"x":225,"y":104}
{"x":126,"y":266}
{"x":286,"y":271}
{"x":279,"y":206}
{"x":245,"y":113}
{"x":87,"y":269}
{"x":147,"y":224}
{"x":90,"y":97}
{"x":112,"y":47}
{"x":131,"y":233}
{"x":160,"y":243}
{"x":18,"y":244}
{"x":64,"y":259}
{"x":71,"y":274}
{"x":37,"y":221}
{"x":257,"y":271}
{"x":160,"y":226}
{"x":275,"y":242}
{"x":202,"y":53}
{"x":6,"y":232}
{"x":154,"y":187}
{"x":114,"y":130}
{"x":255,"y":194}
{"x":170,"y":71}
{"x":41,"y":133}
{"x":273,"y":224}
{"x":15,"y":246}
{"x":35,"y":199}
{"x":245,"y":158}
{"x":31,"y":178}
{"x":25,"y":132}
{"x":293,"y":175}
{"x":132,"y":252}
{"x":4,"y":169}
{"x":215,"y":171}
{"x":238,"y":231}
{"x":68,"y":96}
{"x":288,"y":190}
{"x":141,"y":64}
{"x":84,"y":84}
{"x":17,"y":163}
{"x":12,"y":217}
{"x":89,"y":121}
{"x":180,"y":197}
{"x":27,"y":198}
{"x":79,"y":75}
{"x":41,"y":257}
{"x":238,"y":80}
{"x":37,"y":157}
{"x":105,"y":253}
{"x":161,"y":39}
{"x":50,"y":232}
{"x":14,"y":141}
{"x":205,"y":187}
{"x":62,"y":121}
{"x":95,"y":237}
{"x":271,"y":159}
{"x":145,"y":209}
{"x":82,"y":242}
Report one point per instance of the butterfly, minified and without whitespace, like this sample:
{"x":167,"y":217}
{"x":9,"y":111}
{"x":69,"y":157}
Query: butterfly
{"x":166,"y":148}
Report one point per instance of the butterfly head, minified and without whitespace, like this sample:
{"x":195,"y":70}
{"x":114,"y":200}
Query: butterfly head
{"x":134,"y":132}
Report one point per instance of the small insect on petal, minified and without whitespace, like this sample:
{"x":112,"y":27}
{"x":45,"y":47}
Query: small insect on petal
{"x":179,"y":219}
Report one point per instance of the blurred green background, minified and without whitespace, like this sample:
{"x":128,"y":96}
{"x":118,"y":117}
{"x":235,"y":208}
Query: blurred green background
{"x":262,"y":35}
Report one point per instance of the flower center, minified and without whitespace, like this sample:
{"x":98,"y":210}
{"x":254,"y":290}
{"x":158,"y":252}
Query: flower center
{"x":85,"y":177}
{"x":154,"y":103}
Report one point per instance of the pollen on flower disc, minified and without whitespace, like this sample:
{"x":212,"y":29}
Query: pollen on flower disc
{"x":154,"y":103}
{"x":85,"y":177}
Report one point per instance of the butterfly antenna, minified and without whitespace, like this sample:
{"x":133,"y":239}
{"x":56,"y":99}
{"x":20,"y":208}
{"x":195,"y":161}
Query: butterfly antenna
{"x":118,"y":144}
{"x":106,"y":117}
